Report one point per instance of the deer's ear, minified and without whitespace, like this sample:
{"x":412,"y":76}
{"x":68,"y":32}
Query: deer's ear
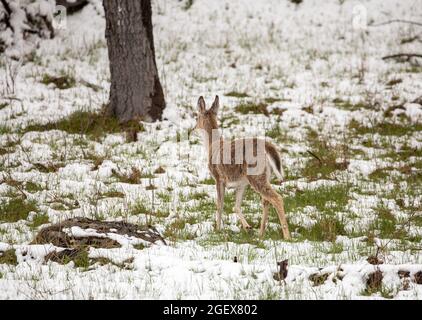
{"x":201,"y":105}
{"x":215,"y":105}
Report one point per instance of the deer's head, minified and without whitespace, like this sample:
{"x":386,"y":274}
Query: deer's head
{"x":207,"y":119}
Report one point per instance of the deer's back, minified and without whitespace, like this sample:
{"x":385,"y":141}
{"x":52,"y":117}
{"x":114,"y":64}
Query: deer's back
{"x":230,"y":159}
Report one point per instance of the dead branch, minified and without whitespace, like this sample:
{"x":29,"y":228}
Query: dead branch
{"x":56,"y":234}
{"x":396,"y":20}
{"x":315,"y":156}
{"x":402,"y":55}
{"x":418,"y":100}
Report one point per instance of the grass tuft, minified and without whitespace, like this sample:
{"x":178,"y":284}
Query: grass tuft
{"x":93,"y":124}
{"x":8,"y":257}
{"x":326,"y":159}
{"x":326,"y":228}
{"x":16,"y":209}
{"x":252,"y":108}
{"x":38,"y":220}
{"x":385,"y":128}
{"x":65,"y":81}
{"x":237,"y":94}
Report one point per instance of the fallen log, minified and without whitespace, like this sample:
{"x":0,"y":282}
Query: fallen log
{"x":100,"y":234}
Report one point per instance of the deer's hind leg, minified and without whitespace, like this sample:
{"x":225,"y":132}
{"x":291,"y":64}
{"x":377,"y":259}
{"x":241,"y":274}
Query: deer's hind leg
{"x":238,"y":206}
{"x":261,"y":185}
{"x":265,"y":208}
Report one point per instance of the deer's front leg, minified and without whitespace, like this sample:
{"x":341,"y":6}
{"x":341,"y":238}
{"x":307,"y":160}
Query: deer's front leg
{"x":220,"y":203}
{"x":238,"y":207}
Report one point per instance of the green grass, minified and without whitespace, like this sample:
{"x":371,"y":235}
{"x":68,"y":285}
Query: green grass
{"x":252,"y":108}
{"x":336,"y":248}
{"x":380,"y":174}
{"x":326,"y":228}
{"x":386,"y":222}
{"x":139,"y":246}
{"x":112,"y":194}
{"x":198,"y":195}
{"x":81,"y":259}
{"x":38,"y":220}
{"x":175,"y":230}
{"x":271,"y":100}
{"x":404,"y":153}
{"x":134,"y":176}
{"x":229,"y":200}
{"x":79,"y":256}
{"x":278,"y":134}
{"x":227,"y":121}
{"x":165,"y":197}
{"x":8,"y":257}
{"x":236,"y":94}
{"x":347,"y":105}
{"x":33,"y":187}
{"x":385,"y":225}
{"x":5,"y":129}
{"x":318,"y":279}
{"x":207,"y":181}
{"x":97,"y":160}
{"x":3,"y":151}
{"x":62,"y":82}
{"x":337,"y":195}
{"x":139,"y":208}
{"x":325,"y":159}
{"x":16,"y":209}
{"x":385,"y":292}
{"x":204,"y":206}
{"x":385,"y":128}
{"x":93,"y":124}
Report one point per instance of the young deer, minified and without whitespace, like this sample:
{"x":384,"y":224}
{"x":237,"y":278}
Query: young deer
{"x":239,"y":163}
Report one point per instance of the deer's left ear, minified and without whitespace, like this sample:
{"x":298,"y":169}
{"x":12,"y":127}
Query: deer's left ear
{"x":201,"y":105}
{"x":215,"y":105}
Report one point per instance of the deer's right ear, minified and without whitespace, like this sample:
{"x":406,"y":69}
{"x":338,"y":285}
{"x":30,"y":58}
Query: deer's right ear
{"x":201,"y":105}
{"x":215,"y":105}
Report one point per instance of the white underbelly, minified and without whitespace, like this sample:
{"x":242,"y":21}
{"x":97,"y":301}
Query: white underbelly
{"x":236,"y":184}
{"x":232,"y":184}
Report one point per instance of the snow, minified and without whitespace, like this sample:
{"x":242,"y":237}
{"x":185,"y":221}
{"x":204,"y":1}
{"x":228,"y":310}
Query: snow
{"x":279,"y":50}
{"x":414,"y":112}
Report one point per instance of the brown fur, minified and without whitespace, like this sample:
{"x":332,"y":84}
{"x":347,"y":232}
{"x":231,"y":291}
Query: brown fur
{"x":235,"y":173}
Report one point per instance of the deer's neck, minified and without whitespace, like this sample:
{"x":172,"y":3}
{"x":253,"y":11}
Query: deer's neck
{"x":210,"y":136}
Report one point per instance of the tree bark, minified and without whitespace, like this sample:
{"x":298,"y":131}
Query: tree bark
{"x":135,"y":91}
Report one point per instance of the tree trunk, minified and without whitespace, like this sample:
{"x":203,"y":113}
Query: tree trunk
{"x":135,"y":91}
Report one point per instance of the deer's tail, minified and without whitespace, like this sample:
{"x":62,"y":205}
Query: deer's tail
{"x":274,"y":159}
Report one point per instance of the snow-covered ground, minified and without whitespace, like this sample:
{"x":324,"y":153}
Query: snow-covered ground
{"x":319,"y":70}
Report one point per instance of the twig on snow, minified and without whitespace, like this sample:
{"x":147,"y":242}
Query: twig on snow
{"x":396,"y":20}
{"x":400,"y":55}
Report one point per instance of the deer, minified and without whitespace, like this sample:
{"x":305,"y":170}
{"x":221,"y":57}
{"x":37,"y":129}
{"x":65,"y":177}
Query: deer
{"x":240,"y":163}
